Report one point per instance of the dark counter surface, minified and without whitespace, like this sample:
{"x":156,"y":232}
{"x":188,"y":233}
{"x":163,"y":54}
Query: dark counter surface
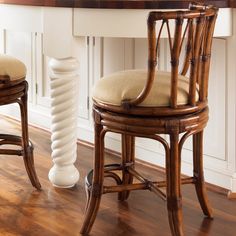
{"x":120,"y":4}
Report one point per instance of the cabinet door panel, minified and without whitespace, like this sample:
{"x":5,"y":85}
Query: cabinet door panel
{"x":215,"y":134}
{"x":20,"y":45}
{"x":113,"y":55}
{"x":82,"y":53}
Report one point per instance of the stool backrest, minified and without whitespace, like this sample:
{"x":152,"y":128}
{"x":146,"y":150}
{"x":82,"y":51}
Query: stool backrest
{"x":194,"y":27}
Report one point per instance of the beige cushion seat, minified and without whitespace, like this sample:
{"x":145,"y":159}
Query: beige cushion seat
{"x":114,"y":88}
{"x":12,"y":67}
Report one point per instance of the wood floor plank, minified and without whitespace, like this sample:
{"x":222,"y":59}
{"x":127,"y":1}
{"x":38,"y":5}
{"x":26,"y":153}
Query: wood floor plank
{"x":25,"y":211}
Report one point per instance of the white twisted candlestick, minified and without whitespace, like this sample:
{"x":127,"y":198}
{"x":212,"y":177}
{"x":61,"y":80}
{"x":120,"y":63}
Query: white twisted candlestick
{"x":63,"y":110}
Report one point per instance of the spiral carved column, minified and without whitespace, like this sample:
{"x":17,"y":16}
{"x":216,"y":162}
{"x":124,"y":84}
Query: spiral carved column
{"x":63,"y":174}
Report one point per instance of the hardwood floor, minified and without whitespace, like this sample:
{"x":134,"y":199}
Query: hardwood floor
{"x":25,"y":211}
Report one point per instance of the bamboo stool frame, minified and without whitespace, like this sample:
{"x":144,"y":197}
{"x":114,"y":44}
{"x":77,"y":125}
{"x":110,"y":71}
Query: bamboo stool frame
{"x":132,"y":120}
{"x":16,"y":92}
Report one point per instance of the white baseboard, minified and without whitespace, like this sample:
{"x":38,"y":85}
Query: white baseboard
{"x":233,"y":183}
{"x":36,"y":116}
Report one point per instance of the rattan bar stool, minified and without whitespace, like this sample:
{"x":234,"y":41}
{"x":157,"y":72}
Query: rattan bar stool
{"x":139,"y":103}
{"x":13,"y":89}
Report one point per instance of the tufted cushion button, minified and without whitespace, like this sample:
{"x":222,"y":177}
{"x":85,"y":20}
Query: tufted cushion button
{"x":12,"y":67}
{"x":125,"y":85}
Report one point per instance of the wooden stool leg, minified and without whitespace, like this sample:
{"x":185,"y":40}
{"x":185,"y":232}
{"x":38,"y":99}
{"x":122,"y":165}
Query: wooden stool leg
{"x":88,"y":195}
{"x":199,"y":175}
{"x":174,"y":199}
{"x":97,"y":185}
{"x":128,"y":150}
{"x":26,"y":145}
